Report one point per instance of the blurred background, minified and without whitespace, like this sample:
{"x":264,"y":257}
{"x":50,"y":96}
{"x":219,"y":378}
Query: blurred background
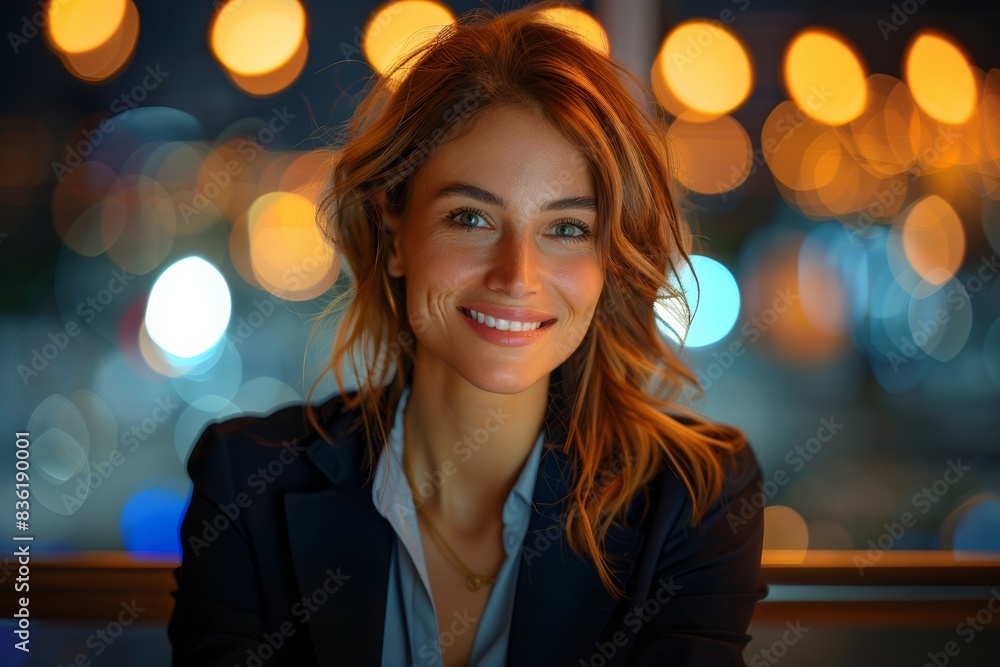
{"x":839,"y":163}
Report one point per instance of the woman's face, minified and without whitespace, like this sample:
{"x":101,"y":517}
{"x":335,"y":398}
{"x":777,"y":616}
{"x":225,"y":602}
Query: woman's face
{"x":501,"y":221}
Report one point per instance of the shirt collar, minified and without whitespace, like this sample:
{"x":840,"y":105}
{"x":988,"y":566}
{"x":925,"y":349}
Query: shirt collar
{"x":395,"y":479}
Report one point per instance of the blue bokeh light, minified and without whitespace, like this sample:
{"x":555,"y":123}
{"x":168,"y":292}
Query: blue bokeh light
{"x":150,"y":523}
{"x":714,"y":302}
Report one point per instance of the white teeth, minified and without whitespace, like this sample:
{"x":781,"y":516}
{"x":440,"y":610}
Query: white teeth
{"x":503,"y":325}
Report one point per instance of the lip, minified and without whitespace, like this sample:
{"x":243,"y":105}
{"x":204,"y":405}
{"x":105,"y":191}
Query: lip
{"x":516,"y":314}
{"x":505,"y":338}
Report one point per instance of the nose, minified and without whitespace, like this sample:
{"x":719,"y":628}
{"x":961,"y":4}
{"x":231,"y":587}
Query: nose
{"x":514,"y":266}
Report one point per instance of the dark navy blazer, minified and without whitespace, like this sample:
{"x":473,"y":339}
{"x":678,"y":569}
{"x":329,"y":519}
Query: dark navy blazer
{"x":286,"y":560}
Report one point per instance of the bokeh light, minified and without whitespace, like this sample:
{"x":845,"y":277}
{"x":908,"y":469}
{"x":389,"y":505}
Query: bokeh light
{"x":714,"y":303}
{"x":825,"y":77}
{"x":702,"y":71}
{"x":712,"y":157}
{"x":188,"y":309}
{"x":881,"y":132}
{"x":941,"y":79}
{"x":933,"y":239}
{"x":583,"y":24}
{"x":400,"y":28}
{"x":820,"y":292}
{"x":288,"y":254}
{"x":974,"y":525}
{"x":254,"y":37}
{"x":77,"y":26}
{"x":149,"y":523}
{"x":86,"y":218}
{"x":781,"y":270}
{"x":261,"y":44}
{"x":211,"y":389}
{"x":786,"y":535}
{"x":94,"y":39}
{"x":63,"y":443}
{"x":801,"y":153}
{"x":275,"y":81}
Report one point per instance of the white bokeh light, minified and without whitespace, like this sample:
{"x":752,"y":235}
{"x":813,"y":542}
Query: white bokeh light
{"x":189,"y":307}
{"x":718,"y":304}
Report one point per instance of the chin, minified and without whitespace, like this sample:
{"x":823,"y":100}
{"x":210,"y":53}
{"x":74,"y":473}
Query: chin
{"x":503,"y":382}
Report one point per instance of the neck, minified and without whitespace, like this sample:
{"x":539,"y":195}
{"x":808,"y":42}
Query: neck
{"x":466,"y":447}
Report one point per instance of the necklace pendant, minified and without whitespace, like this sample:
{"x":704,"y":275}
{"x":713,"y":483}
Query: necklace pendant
{"x":474,"y":582}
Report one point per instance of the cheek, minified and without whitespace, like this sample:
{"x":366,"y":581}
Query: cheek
{"x":582,"y":285}
{"x":430,"y":252}
{"x":441,"y":270}
{"x":435,"y":272}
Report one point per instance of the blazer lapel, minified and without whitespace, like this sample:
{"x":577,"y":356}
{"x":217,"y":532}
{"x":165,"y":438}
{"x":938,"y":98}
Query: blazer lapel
{"x":561,"y":605}
{"x":338,"y":537}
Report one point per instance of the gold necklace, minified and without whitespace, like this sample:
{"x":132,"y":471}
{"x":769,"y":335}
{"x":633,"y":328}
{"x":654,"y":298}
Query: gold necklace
{"x":472,"y":581}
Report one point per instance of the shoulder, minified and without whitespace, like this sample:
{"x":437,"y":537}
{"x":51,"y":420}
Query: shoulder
{"x":732,"y":515}
{"x":238,"y":446}
{"x":711,"y":567}
{"x":740,"y":467}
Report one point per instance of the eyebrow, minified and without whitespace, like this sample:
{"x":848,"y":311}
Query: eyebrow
{"x":464,"y":189}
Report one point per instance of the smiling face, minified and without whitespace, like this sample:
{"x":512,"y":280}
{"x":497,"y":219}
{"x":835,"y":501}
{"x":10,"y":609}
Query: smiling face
{"x":501,"y":221}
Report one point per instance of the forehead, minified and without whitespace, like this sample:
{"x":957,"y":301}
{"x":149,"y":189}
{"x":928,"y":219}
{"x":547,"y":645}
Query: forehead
{"x":513,"y":150}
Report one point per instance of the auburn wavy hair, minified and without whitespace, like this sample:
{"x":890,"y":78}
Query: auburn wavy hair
{"x":623,"y":379}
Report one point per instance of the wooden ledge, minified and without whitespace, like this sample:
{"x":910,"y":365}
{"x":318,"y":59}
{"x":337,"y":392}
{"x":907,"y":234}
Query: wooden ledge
{"x":94,"y":585}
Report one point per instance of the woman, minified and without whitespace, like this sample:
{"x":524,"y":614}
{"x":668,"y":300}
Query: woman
{"x":513,"y":481}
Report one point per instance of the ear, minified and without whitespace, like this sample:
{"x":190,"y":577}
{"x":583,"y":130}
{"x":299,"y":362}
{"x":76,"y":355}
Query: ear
{"x":394,"y":263}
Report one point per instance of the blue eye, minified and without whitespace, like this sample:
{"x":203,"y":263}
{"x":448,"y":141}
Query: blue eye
{"x":466,"y":211}
{"x":456,"y":220}
{"x":581,"y":227}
